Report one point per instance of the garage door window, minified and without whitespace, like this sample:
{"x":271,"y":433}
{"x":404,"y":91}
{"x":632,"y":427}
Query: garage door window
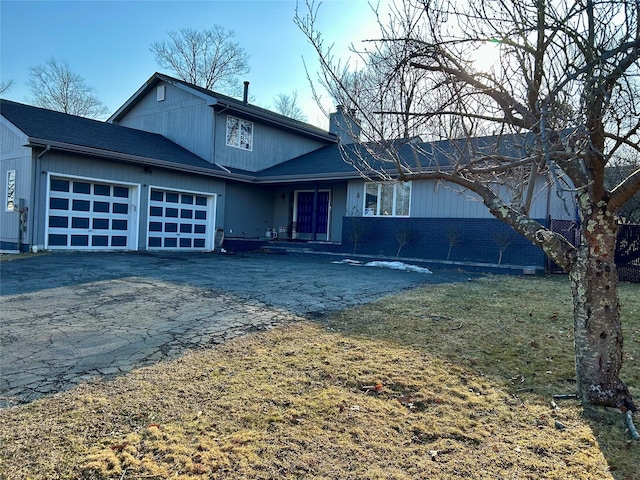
{"x":86,"y":214}
{"x":178,"y":220}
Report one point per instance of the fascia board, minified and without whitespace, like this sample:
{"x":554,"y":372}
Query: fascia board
{"x":211,"y":100}
{"x":254,"y":115}
{"x":126,"y":106}
{"x":148,"y":86}
{"x":307,"y":178}
{"x":96,"y":152}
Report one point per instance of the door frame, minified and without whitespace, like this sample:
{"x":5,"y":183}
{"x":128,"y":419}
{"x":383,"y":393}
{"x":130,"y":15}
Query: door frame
{"x":329,"y":208}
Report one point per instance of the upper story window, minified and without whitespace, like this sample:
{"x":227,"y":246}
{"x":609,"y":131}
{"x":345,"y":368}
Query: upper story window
{"x":387,"y":199}
{"x":239,"y":133}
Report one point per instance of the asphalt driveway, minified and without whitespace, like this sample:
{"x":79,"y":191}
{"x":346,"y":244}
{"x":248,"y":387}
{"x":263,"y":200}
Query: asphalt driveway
{"x":66,"y":318}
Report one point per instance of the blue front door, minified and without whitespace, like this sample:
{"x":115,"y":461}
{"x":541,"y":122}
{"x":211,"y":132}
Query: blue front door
{"x":305,"y":213}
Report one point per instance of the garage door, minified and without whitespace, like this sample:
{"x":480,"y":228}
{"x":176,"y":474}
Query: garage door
{"x":90,"y":215}
{"x":180,"y":220}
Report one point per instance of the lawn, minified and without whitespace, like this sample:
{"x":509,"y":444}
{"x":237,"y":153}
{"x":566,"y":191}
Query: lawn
{"x":440,"y":382}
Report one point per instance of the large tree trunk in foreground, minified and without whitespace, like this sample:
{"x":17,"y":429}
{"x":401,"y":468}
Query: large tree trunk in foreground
{"x":597,"y":329}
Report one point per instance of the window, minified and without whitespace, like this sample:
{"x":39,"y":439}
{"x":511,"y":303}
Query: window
{"x":239,"y":133}
{"x":10,"y":204}
{"x":387,"y":199}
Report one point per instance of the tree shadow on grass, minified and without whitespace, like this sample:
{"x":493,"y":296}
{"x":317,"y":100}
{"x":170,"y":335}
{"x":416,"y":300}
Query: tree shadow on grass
{"x":517,"y":331}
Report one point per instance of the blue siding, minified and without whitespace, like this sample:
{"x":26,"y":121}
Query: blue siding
{"x":248,"y":210}
{"x":270,"y":146}
{"x":478,"y":239}
{"x":181,"y":117}
{"x":14,"y":156}
{"x":63,"y":164}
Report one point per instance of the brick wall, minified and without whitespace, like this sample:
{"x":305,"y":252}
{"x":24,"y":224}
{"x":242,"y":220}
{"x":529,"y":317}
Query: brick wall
{"x":473,"y":239}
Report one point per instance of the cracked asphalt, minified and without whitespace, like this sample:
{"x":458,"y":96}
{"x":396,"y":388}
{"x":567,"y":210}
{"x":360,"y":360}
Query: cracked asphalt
{"x":66,"y":318}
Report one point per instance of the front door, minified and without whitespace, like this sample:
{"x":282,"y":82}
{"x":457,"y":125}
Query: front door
{"x":304,"y":217}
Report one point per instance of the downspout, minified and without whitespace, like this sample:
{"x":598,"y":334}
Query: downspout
{"x":213,"y":139}
{"x":217,"y":226}
{"x":37,"y":173}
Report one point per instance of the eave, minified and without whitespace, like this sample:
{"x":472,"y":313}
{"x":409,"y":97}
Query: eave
{"x":251,"y":114}
{"x":222,"y":102}
{"x":307,"y":178}
{"x":134,"y":159}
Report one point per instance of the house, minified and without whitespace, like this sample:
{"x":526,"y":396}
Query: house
{"x":177,"y":164}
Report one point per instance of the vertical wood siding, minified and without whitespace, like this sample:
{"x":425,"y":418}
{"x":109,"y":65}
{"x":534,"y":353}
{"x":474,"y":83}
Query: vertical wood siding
{"x":430,"y":199}
{"x":248,"y":210}
{"x":271,"y":146}
{"x":98,"y":169}
{"x":14,"y":156}
{"x":181,"y":117}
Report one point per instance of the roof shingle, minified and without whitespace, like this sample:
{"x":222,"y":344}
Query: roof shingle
{"x":52,"y":126}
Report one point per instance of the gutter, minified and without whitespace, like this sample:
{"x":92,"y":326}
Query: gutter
{"x":135,"y":159}
{"x":223,"y":173}
{"x":307,"y":178}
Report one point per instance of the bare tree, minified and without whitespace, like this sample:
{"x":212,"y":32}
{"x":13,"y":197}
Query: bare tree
{"x":561,"y":102}
{"x":630,"y":211}
{"x":208,"y":58}
{"x":5,"y":86}
{"x":287,"y":105}
{"x":54,"y":86}
{"x":453,"y":238}
{"x":403,"y":237}
{"x":502,"y":240}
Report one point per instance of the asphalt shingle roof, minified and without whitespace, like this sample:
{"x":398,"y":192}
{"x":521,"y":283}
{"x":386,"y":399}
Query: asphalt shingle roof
{"x":344,"y":161}
{"x":49,"y":125}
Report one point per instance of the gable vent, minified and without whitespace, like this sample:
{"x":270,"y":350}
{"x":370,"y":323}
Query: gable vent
{"x":160,"y":93}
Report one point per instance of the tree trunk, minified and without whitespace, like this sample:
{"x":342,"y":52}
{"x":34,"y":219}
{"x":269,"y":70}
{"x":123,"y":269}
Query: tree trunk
{"x":598,"y":333}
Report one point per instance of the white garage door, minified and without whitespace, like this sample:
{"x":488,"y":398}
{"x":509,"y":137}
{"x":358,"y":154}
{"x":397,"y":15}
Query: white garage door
{"x":90,"y":215}
{"x":180,"y":220}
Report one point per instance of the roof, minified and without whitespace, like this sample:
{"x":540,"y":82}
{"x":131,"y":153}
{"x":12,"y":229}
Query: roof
{"x":346,"y":161}
{"x":218,"y":100}
{"x":333,"y":162}
{"x":69,"y":132}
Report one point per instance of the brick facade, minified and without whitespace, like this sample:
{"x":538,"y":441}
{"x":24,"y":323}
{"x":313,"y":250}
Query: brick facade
{"x":471,"y":239}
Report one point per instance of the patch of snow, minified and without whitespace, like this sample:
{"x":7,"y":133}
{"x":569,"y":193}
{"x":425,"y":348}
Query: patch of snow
{"x":392,"y":265}
{"x":348,"y":262}
{"x":399,"y":266}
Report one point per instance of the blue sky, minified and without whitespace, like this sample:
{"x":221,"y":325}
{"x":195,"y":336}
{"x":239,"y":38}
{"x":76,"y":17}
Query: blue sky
{"x":107,"y":42}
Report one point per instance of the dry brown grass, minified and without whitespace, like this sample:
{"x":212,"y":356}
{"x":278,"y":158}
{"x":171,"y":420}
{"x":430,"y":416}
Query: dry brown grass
{"x":448,"y":381}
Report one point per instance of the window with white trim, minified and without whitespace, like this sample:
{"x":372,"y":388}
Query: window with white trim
{"x":387,"y":199}
{"x":239,"y":133}
{"x":10,"y":203}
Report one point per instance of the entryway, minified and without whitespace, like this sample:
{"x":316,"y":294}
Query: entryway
{"x":308,"y":226}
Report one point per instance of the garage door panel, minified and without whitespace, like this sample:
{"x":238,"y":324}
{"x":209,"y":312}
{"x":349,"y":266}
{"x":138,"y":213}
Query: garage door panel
{"x":88,"y":215}
{"x":179,"y":220}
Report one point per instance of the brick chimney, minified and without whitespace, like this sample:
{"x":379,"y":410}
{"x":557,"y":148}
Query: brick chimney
{"x":345,"y":125}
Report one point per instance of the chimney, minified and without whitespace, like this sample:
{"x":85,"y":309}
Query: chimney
{"x":245,"y":96}
{"x":345,"y":125}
